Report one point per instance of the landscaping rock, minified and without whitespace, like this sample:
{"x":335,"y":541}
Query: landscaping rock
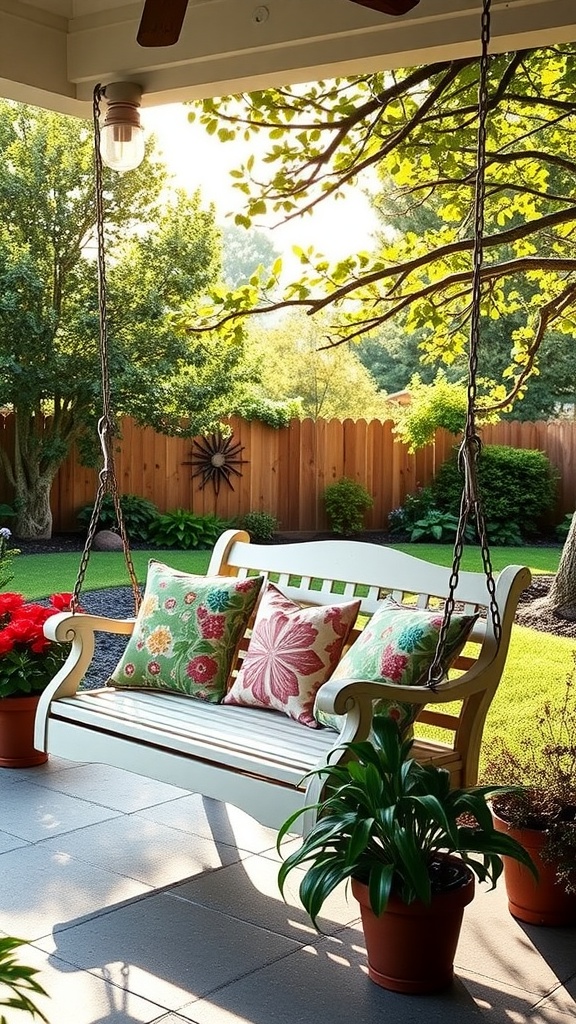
{"x":107,"y":540}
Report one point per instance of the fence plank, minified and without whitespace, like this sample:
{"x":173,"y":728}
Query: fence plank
{"x":287,"y":470}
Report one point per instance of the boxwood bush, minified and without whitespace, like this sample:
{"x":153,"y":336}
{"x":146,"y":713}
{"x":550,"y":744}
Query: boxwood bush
{"x":517,"y":488}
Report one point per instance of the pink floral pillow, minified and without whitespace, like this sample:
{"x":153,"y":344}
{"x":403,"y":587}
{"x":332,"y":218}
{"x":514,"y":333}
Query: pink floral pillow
{"x":293,"y":650}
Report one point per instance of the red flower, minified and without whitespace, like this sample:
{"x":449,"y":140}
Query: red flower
{"x":211,"y":626}
{"x":9,"y":603}
{"x":392,"y":665}
{"x":34,"y":659}
{"x":201,"y":668}
{"x":63,"y":602}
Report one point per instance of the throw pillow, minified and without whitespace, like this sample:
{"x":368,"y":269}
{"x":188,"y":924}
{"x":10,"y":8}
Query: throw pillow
{"x":398,"y":646}
{"x":187,"y":632}
{"x":292,"y":651}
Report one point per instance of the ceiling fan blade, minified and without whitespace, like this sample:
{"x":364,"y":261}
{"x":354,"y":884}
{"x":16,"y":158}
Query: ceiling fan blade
{"x":389,"y":6}
{"x":161,"y":22}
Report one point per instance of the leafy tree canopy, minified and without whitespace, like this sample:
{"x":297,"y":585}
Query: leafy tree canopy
{"x":418,"y":127}
{"x":160,"y":251}
{"x":243,"y":252}
{"x":293,"y":363}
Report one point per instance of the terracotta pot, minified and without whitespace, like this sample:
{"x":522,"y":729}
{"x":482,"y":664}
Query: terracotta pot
{"x":536,"y":902}
{"x":17,"y":748}
{"x":411,"y":947}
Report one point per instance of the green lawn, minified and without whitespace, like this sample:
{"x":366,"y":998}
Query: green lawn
{"x":41,"y":575}
{"x":543,"y":560}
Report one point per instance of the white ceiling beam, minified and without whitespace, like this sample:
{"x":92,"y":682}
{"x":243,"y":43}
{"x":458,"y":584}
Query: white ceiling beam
{"x":33,"y":57}
{"x":234,"y":45}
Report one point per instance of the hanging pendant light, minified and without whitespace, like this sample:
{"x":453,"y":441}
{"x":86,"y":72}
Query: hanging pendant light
{"x":121,"y":133}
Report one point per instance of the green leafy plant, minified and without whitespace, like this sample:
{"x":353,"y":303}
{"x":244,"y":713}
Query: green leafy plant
{"x":438,"y":526}
{"x":505,"y":534}
{"x":517,"y":486}
{"x":563,"y":528}
{"x":401,"y":520}
{"x":346,"y":502}
{"x":19,"y":980}
{"x":260,"y":525}
{"x":543,"y":771}
{"x":28,"y":659}
{"x":186,"y":530}
{"x":138,"y":513}
{"x":442,"y":403}
{"x":391,"y":822}
{"x":272,"y":413}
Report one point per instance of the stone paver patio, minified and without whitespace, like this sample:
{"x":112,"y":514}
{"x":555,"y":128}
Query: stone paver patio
{"x":143,"y":903}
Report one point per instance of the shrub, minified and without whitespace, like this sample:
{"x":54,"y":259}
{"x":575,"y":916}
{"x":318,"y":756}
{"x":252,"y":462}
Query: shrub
{"x":517,"y":488}
{"x":185,"y":530}
{"x":272,"y":413}
{"x":416,"y":506}
{"x":442,"y":403}
{"x":346,"y":502}
{"x":563,"y":528}
{"x":260,"y":525}
{"x":138,"y":513}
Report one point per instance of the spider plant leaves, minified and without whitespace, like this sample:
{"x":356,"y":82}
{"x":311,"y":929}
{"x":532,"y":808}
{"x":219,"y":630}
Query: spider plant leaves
{"x":391,"y":822}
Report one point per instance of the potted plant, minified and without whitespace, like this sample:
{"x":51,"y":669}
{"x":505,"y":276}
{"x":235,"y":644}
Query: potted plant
{"x":19,"y":980}
{"x":411,"y":847}
{"x":540,"y":813}
{"x":28,"y":662}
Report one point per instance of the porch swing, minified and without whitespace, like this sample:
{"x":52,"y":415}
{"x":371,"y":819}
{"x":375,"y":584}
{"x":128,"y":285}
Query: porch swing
{"x":253,"y":756}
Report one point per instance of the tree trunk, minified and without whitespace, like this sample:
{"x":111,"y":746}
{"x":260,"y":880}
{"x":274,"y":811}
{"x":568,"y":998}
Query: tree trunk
{"x":34,"y":515}
{"x":32,"y":474}
{"x":561,"y":598}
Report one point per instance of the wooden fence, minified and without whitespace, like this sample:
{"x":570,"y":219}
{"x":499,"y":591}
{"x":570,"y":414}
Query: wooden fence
{"x":285,"y":471}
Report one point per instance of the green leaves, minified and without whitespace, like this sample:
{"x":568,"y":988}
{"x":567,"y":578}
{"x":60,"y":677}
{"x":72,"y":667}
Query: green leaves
{"x":388,"y":821}
{"x":20,"y":980}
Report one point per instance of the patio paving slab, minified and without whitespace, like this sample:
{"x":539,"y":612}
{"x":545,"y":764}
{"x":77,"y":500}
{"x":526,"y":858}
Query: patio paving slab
{"x":140,"y":849}
{"x":34,"y":812}
{"x":324,"y":983}
{"x":41,"y":890}
{"x":523,"y":956}
{"x":8,"y":842}
{"x":167,"y":950}
{"x":214,"y":820}
{"x":109,"y":787}
{"x":81,"y":998}
{"x":501,"y":1003}
{"x":248,"y":890}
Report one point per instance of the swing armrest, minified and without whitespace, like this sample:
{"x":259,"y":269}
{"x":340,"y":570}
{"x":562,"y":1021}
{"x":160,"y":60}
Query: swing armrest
{"x":78,"y":630}
{"x":339,"y":696}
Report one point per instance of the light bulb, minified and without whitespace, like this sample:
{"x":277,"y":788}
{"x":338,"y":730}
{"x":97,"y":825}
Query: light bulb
{"x":121,"y":134}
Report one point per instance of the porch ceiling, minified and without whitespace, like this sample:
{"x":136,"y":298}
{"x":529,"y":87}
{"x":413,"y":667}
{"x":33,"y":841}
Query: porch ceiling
{"x":52,"y":52}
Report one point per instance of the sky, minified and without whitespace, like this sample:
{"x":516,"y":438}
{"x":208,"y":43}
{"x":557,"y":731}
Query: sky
{"x":196,"y":159}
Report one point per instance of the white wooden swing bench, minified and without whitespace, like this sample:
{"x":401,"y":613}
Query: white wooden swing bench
{"x":256,"y":759}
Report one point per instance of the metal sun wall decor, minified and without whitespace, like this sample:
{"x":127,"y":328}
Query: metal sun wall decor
{"x":217,"y":458}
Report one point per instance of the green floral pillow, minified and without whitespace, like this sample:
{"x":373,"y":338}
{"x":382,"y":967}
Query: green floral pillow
{"x":398,"y":646}
{"x":187,"y":632}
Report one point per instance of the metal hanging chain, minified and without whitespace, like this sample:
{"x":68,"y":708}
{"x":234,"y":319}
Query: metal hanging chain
{"x":471,"y":444}
{"x":106,"y":424}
